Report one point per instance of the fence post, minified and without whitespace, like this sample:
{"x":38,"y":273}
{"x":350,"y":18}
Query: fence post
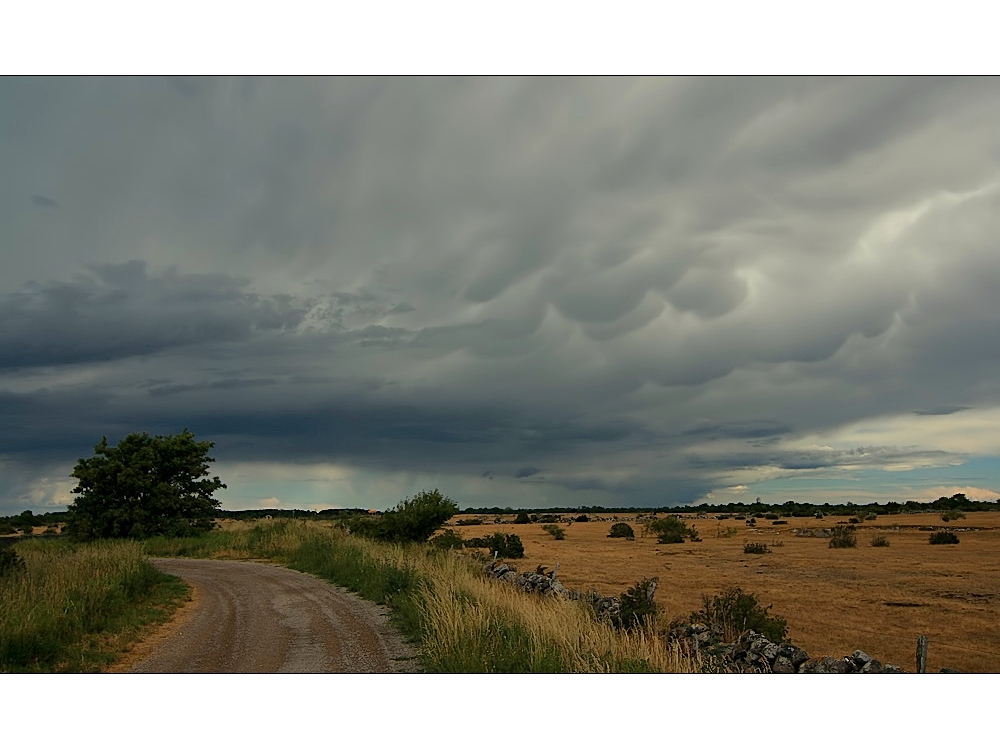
{"x":921,"y":654}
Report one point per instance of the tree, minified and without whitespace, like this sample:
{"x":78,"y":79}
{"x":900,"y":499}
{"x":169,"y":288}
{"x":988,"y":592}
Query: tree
{"x":144,"y":486}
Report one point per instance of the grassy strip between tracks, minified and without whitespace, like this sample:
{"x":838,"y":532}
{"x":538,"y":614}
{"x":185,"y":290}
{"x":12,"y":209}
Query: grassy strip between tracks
{"x":459,"y":620}
{"x":75,"y":607}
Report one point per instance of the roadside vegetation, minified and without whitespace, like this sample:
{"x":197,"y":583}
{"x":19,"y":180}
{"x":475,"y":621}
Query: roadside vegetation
{"x":68,"y":607}
{"x":459,"y":620}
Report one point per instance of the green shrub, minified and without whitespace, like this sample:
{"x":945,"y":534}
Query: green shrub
{"x":469,"y":522}
{"x":621,"y":531}
{"x":854,"y":519}
{"x":952,"y":515}
{"x":412,"y":520}
{"x":755,"y":548}
{"x":880,"y":541}
{"x":508,"y":546}
{"x":670,"y":530}
{"x":448,"y":539}
{"x":943,"y":537}
{"x":522,"y":517}
{"x":637,"y":605}
{"x":582,"y":519}
{"x":842,"y":537}
{"x":555,"y":531}
{"x":10,"y":561}
{"x":735,"y":611}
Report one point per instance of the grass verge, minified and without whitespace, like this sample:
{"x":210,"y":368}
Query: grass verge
{"x":76,"y":607}
{"x":459,"y":620}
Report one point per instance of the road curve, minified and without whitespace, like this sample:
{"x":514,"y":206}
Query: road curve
{"x":256,"y":617}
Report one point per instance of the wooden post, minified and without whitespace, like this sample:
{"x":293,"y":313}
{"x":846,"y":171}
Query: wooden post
{"x":921,"y":654}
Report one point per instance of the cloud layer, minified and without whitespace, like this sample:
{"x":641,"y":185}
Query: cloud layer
{"x":533,"y":291}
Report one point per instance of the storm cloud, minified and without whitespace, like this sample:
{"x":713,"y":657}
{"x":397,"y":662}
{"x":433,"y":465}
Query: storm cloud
{"x":655,"y":289}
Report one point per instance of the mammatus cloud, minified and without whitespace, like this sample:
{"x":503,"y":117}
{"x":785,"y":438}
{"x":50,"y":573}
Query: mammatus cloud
{"x":653,"y":288}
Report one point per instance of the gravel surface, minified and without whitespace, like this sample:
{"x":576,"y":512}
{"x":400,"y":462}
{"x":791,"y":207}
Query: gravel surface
{"x":256,"y":617}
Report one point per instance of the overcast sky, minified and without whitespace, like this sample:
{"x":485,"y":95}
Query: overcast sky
{"x":524,"y":292}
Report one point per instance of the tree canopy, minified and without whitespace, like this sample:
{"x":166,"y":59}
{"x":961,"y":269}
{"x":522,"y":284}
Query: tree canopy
{"x":145,"y":486}
{"x":412,"y":520}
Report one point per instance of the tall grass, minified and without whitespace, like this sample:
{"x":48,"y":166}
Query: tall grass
{"x":72,"y":605}
{"x":460,"y":620}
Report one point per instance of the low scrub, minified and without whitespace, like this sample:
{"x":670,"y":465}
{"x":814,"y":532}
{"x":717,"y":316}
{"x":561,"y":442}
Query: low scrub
{"x":448,"y":539}
{"x":412,"y":520}
{"x":755,"y":548}
{"x":670,"y":530}
{"x":735,"y":611}
{"x":944,"y":537}
{"x":621,"y":531}
{"x":507,"y":546}
{"x":556,"y":532}
{"x":880,"y":541}
{"x":842,"y":537}
{"x":638,"y":610}
{"x":952,"y":515}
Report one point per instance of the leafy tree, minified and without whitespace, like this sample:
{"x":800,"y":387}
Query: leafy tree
{"x":670,"y":530}
{"x":412,"y":520}
{"x":637,"y":605}
{"x":145,"y":486}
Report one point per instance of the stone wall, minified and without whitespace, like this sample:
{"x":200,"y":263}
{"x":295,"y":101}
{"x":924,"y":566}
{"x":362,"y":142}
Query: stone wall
{"x":751,"y":653}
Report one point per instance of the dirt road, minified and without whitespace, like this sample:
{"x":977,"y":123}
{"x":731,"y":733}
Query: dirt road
{"x":255,"y":617}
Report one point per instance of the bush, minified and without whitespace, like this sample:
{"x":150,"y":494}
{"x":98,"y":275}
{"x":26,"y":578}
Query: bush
{"x":412,"y":520}
{"x":637,"y":605}
{"x":448,"y":539}
{"x":952,"y":515}
{"x":469,"y":522}
{"x":582,"y":519}
{"x":10,"y":561}
{"x":735,"y":611}
{"x":854,"y":519}
{"x":522,"y":517}
{"x":670,"y":530}
{"x":880,"y":541}
{"x":621,"y":531}
{"x":842,"y":537}
{"x":555,"y":531}
{"x":508,"y":546}
{"x":943,"y":537}
{"x":755,"y":548}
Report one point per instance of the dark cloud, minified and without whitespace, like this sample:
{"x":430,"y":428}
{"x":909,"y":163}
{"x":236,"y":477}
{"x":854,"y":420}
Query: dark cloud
{"x":42,"y":201}
{"x":646,"y":286}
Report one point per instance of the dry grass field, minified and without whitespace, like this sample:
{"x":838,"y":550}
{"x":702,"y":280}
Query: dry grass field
{"x":878,"y":599}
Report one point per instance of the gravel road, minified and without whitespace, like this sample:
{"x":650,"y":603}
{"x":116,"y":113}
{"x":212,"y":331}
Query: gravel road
{"x":256,"y":617}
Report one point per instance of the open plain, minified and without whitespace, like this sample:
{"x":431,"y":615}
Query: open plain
{"x":878,"y":599}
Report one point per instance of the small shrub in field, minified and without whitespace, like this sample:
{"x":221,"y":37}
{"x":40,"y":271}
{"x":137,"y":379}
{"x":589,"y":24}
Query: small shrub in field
{"x":469,"y":522}
{"x":582,"y":519}
{"x":771,"y":516}
{"x":637,"y":605}
{"x":10,"y":561}
{"x":843,"y":537}
{"x":779,"y":523}
{"x":735,"y":611}
{"x":555,"y":531}
{"x":854,"y":519}
{"x":755,"y":548}
{"x":522,"y":517}
{"x":944,"y":537}
{"x":952,"y":515}
{"x":412,"y":520}
{"x":670,"y":530}
{"x":621,"y":531}
{"x":448,"y":539}
{"x":880,"y":541}
{"x":508,"y":546}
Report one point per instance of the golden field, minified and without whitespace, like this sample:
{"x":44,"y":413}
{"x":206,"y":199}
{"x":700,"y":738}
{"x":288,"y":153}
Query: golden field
{"x":878,"y":599}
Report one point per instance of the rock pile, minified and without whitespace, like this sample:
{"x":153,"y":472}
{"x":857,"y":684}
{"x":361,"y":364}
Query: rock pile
{"x":606,"y":608}
{"x":755,"y":653}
